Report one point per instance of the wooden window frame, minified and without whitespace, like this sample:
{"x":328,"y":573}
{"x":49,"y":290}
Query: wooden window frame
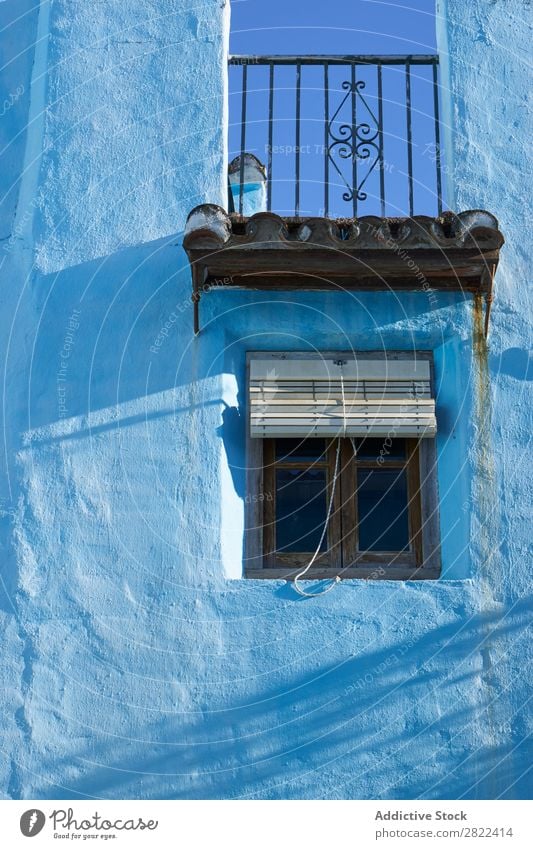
{"x":332,"y":558}
{"x":421,"y":562}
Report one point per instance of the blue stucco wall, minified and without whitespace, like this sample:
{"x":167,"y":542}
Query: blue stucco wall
{"x":137,"y":661}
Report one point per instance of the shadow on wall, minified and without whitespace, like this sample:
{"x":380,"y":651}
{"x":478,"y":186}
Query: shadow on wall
{"x":515,"y":362}
{"x":120,"y":328}
{"x":132,"y":334}
{"x":232,"y":432}
{"x":95,"y":348}
{"x":413,"y":720}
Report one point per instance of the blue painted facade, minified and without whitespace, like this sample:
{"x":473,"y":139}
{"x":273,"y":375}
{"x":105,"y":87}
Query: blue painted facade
{"x":137,"y":661}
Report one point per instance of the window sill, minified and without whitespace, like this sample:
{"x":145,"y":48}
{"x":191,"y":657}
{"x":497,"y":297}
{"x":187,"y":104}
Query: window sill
{"x":372,"y":572}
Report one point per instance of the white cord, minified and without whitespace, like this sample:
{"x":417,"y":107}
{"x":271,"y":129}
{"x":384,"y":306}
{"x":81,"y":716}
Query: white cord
{"x":300,"y":575}
{"x":352,"y":440}
{"x":343,"y":404}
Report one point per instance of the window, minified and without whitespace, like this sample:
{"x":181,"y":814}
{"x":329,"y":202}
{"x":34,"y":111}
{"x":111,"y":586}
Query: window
{"x":367,"y":503}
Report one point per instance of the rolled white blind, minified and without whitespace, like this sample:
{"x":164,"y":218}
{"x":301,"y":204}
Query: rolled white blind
{"x":329,"y":397}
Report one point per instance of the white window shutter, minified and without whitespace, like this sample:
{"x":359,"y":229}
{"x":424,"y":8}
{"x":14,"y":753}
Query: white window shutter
{"x":298,"y":397}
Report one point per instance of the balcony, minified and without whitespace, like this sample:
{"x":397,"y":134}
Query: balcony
{"x":336,"y":181}
{"x":341,"y":136}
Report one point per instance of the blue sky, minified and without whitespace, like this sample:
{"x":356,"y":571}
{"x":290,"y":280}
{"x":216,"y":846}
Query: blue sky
{"x":342,"y":26}
{"x":317,"y":27}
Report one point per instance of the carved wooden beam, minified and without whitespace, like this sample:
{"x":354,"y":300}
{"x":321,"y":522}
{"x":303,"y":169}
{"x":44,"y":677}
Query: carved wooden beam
{"x":449,"y":253}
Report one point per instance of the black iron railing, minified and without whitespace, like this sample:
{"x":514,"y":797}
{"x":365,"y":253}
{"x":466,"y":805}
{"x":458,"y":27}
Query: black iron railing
{"x":339,"y":135}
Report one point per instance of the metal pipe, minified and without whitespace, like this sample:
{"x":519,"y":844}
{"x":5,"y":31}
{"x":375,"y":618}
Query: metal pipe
{"x":196,"y":311}
{"x":437,"y":138}
{"x":326,"y":138}
{"x":381,"y":145}
{"x":489,"y":298}
{"x":270,"y":135}
{"x":354,"y":142}
{"x":409,"y":135}
{"x":297,"y":151}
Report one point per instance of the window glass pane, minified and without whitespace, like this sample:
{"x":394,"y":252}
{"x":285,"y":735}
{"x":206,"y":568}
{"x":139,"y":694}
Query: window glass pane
{"x":297,"y":450}
{"x":300,"y":509}
{"x":388,"y":449}
{"x":382,"y":510}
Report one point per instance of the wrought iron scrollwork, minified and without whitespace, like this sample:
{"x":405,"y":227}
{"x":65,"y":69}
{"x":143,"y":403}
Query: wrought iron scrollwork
{"x":354,"y":141}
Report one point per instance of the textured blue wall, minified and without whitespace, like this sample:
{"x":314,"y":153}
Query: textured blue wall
{"x":137,"y":661}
